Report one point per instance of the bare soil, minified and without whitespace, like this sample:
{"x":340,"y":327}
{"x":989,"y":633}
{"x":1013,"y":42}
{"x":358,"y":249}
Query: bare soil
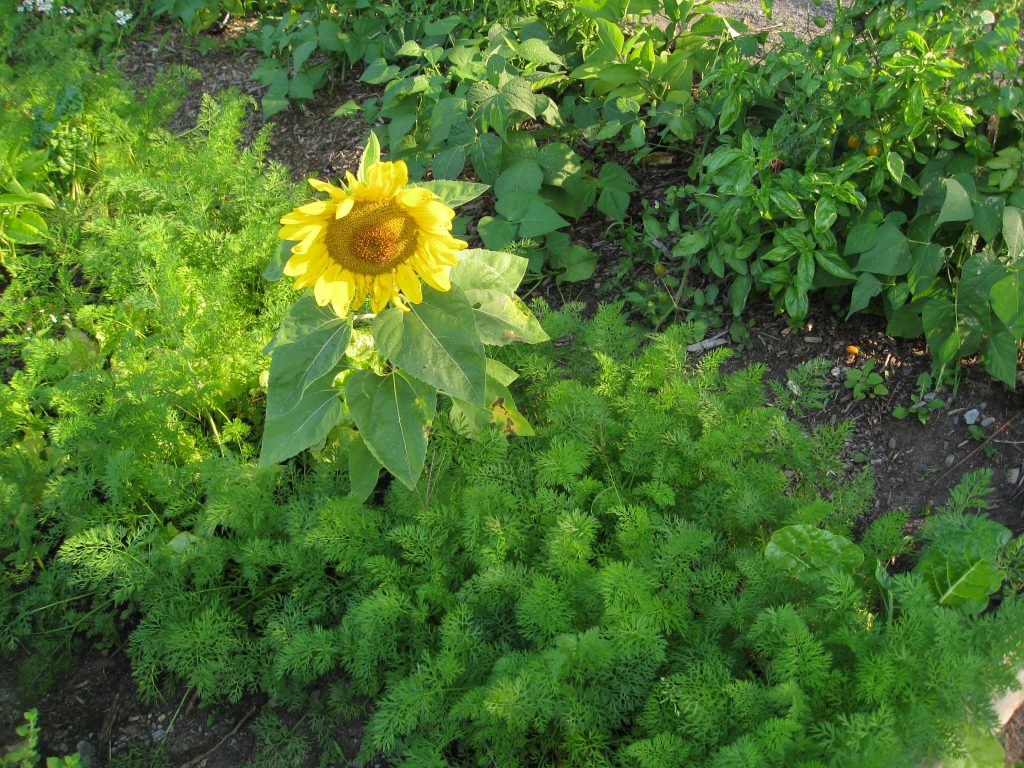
{"x":95,"y":706}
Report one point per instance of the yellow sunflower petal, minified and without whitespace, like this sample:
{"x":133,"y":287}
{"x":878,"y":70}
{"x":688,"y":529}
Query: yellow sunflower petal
{"x":341,"y":296}
{"x":307,"y":242}
{"x":409,"y":283}
{"x":323,"y":290}
{"x":414,"y":197}
{"x":358,"y":294}
{"x":381,"y":289}
{"x":330,"y":189}
{"x":297,"y":231}
{"x":435,"y":277}
{"x":434,"y":217}
{"x":344,"y":208}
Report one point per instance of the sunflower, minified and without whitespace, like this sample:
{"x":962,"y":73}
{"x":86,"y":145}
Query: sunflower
{"x":376,"y":237}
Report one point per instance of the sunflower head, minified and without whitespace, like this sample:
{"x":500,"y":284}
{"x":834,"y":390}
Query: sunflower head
{"x":375,"y":237}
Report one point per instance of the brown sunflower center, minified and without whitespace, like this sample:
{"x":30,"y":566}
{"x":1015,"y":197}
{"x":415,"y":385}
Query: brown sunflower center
{"x":373,"y":238}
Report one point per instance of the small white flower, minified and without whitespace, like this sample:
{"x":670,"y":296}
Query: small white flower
{"x":44,"y":6}
{"x":121,"y":17}
{"x":66,"y":10}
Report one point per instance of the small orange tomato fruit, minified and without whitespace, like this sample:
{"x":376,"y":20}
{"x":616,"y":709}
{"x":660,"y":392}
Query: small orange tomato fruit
{"x":874,"y":150}
{"x":853,"y":142}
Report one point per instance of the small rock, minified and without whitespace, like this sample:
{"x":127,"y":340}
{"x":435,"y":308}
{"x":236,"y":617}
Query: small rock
{"x":988,"y":421}
{"x":971,"y":416}
{"x":892,"y":443}
{"x":950,"y":460}
{"x":86,"y":752}
{"x":1013,"y":475}
{"x":812,"y":339}
{"x":158,"y":734}
{"x":876,"y":462}
{"x":836,"y":372}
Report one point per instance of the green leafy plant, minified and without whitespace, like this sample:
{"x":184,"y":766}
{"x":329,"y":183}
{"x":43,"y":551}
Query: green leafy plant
{"x":865,"y":381}
{"x":925,"y":400}
{"x":25,"y":754}
{"x":805,"y":388}
{"x":400,"y":363}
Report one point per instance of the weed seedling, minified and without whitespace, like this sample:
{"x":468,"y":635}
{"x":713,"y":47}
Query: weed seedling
{"x":865,"y":382}
{"x":925,"y":400}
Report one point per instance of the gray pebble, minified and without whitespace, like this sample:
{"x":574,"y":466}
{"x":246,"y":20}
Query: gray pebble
{"x":988,"y":421}
{"x":876,"y":462}
{"x":892,"y":443}
{"x":86,"y":752}
{"x":158,"y":734}
{"x":950,"y":460}
{"x":971,"y":416}
{"x":1013,"y":475}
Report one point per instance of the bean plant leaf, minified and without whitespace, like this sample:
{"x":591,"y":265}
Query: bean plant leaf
{"x":806,"y":552}
{"x":616,"y":186}
{"x":393,"y":414}
{"x":889,"y":255}
{"x":1007,"y":297}
{"x":436,"y":341}
{"x":999,"y":356}
{"x":1013,"y":232}
{"x":524,"y":176}
{"x":957,"y":205}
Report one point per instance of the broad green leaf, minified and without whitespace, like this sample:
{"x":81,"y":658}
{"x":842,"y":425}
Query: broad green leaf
{"x":486,"y":154}
{"x":538,"y":52}
{"x":577,"y":262}
{"x":825,"y":214}
{"x":534,"y":216}
{"x":496,"y":233}
{"x":957,"y":205}
{"x":977,"y":277}
{"x":689,"y":244}
{"x":328,"y":37}
{"x":449,"y":163}
{"x":894,"y":162}
{"x":511,"y":268}
{"x":1007,"y":298}
{"x":981,"y":750}
{"x":967,"y":577}
{"x":999,"y":356}
{"x":1013,"y":232}
{"x":310,"y":345}
{"x":834,"y":265}
{"x":436,"y":341}
{"x":288,"y":431}
{"x":363,"y":469}
{"x":519,"y":96}
{"x":500,"y":411}
{"x":806,"y":552}
{"x":393,"y":414}
{"x":453,"y":193}
{"x":275,"y":267}
{"x":988,"y":217}
{"x":501,"y":316}
{"x":938,"y":317}
{"x":26,"y":228}
{"x":615,"y":185}
{"x":525,"y":177}
{"x":865,"y":289}
{"x":890,"y":254}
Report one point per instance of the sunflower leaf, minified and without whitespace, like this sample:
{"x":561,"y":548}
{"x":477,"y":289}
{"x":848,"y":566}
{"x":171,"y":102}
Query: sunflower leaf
{"x":275,"y":268}
{"x":436,"y":341}
{"x":310,"y":342}
{"x":393,"y":414}
{"x":363,"y":469}
{"x":453,"y":193}
{"x":489,"y":280}
{"x":371,"y":153}
{"x":289,"y":431}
